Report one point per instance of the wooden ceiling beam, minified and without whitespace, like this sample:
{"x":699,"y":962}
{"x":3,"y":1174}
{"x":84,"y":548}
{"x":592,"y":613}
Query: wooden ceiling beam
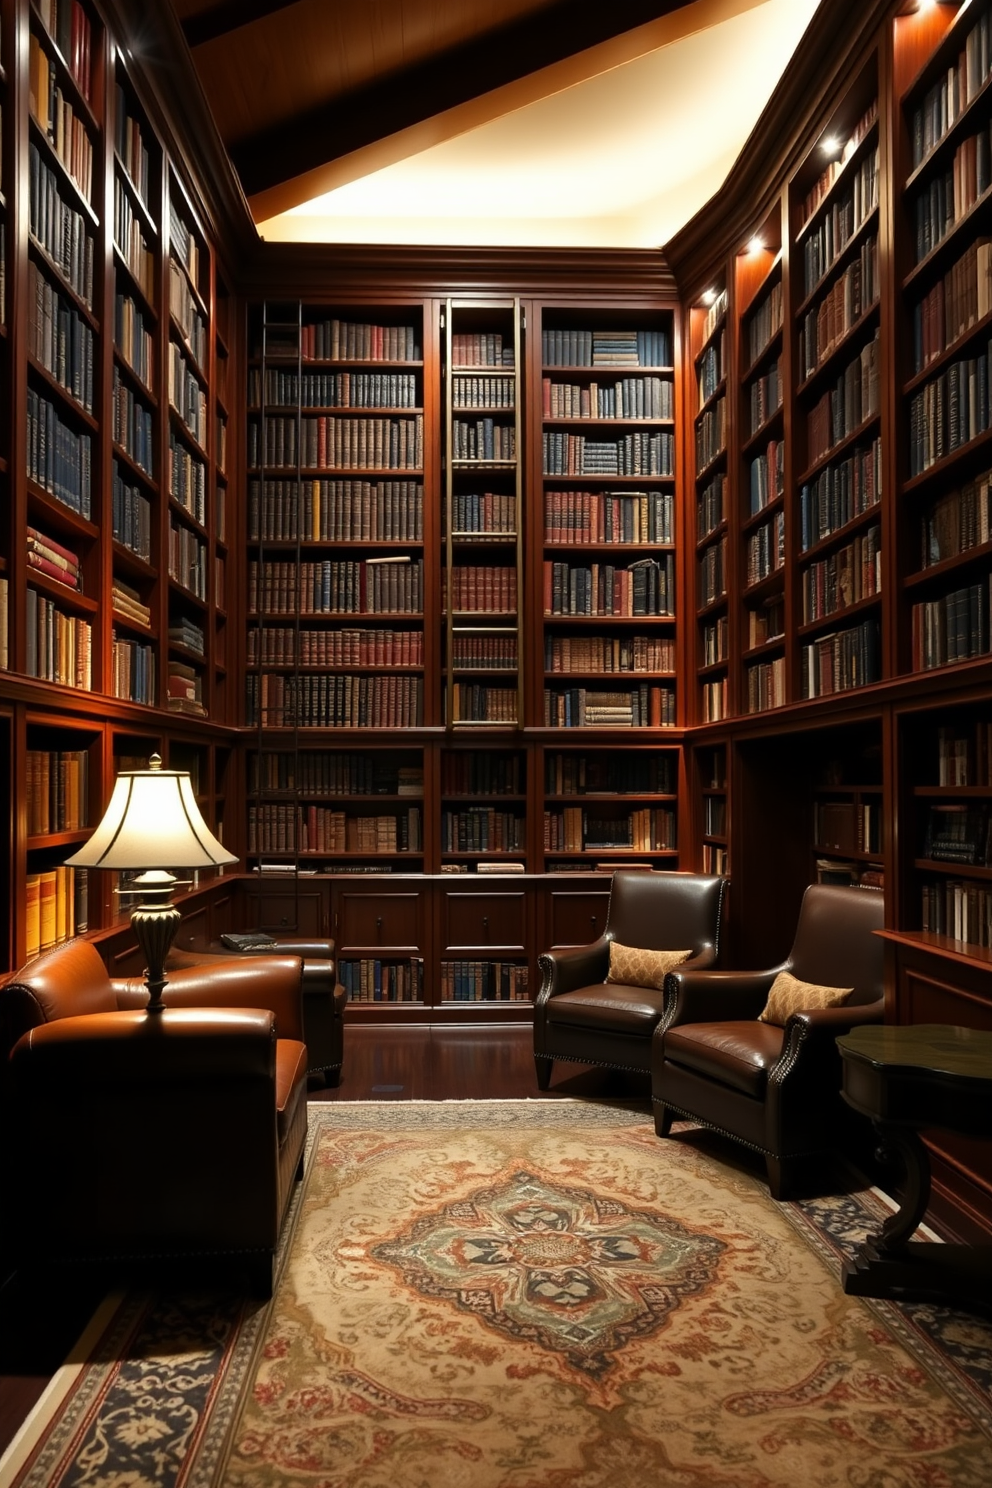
{"x":399,"y":103}
{"x":229,"y":15}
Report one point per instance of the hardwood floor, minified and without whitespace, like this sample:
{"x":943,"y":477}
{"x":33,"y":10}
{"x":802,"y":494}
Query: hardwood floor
{"x":40,"y":1324}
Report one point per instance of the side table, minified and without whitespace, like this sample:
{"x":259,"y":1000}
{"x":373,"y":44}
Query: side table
{"x":907,"y":1079}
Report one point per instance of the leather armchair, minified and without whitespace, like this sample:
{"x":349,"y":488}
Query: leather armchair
{"x":580,"y":1015}
{"x":324,"y":998}
{"x":142,"y":1137}
{"x":776,"y":1090}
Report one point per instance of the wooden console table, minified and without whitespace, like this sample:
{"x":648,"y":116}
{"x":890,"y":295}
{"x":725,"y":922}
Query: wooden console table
{"x":907,"y":1079}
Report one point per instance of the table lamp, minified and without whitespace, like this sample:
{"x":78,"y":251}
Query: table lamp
{"x":153,"y":819}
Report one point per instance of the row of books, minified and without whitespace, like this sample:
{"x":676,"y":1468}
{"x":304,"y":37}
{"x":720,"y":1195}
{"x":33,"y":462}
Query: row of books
{"x":596,"y":348}
{"x":955,"y":303}
{"x":483,"y":392}
{"x":132,"y":670}
{"x":716,"y":858}
{"x":764,"y":321}
{"x":281,"y":389}
{"x":765,"y":395}
{"x":185,"y":310}
{"x":186,"y":395}
{"x":609,"y":773}
{"x":765,"y":549}
{"x":130,"y":242}
{"x":481,"y":349}
{"x":712,"y":583}
{"x":48,"y":556}
{"x":187,"y":559}
{"x":715,"y":640}
{"x":825,"y":243}
{"x":715,"y":314}
{"x":132,"y":425}
{"x":646,"y":587}
{"x":59,"y":338}
{"x":594,"y":654}
{"x":481,"y":773}
{"x":483,"y":981}
{"x":371,"y":586}
{"x":842,"y":660}
{"x":715,"y":816}
{"x":280,"y":645}
{"x":356,"y":341}
{"x":186,"y":480}
{"x":55,"y":908}
{"x":710,"y":369}
{"x":832,"y":171}
{"x":950,"y":194}
{"x":953,"y":627}
{"x":627,"y":398}
{"x":338,"y":443}
{"x":59,"y":229}
{"x":474,"y":702}
{"x":583,"y":517}
{"x":335,"y":510}
{"x":852,"y":573}
{"x":373,"y":980}
{"x":483,"y":829}
{"x":711,"y":434}
{"x":483,"y":439}
{"x":947,"y":99}
{"x":640,"y":453}
{"x":576,"y":829}
{"x":581,"y":707}
{"x":848,"y":826}
{"x":184,"y":244}
{"x":130,"y":147}
{"x":58,"y":647}
{"x":485,"y":589}
{"x":335,"y":700}
{"x":958,"y":832}
{"x":839,"y":493}
{"x":964,"y":755}
{"x":279,"y":828}
{"x":57,"y":458}
{"x":68,"y":24}
{"x":133,"y":340}
{"x":765,"y":622}
{"x":957,"y":908}
{"x":487,"y":513}
{"x":765,"y":682}
{"x":713,"y":699}
{"x":766,"y":476}
{"x":851,"y":401}
{"x":949,"y":411}
{"x":711,"y":505}
{"x":336,"y":773}
{"x":56,"y":790}
{"x":485,"y":653}
{"x":52,"y":110}
{"x":836,"y":314}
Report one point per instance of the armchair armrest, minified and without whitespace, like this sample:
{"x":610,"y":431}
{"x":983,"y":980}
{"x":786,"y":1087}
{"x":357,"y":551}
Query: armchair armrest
{"x":714,"y":996}
{"x":579,"y":966}
{"x":271,"y":982}
{"x":819,"y":1028}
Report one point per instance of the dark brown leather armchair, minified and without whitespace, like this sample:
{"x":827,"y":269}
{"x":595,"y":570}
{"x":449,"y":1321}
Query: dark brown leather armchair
{"x":142,"y":1137}
{"x":580,"y":1015}
{"x":776,"y":1089}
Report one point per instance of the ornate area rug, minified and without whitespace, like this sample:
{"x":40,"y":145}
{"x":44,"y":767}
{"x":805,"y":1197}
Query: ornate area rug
{"x":527,"y":1294}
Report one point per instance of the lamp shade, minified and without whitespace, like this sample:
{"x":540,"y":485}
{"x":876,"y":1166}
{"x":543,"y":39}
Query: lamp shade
{"x":152,"y":821}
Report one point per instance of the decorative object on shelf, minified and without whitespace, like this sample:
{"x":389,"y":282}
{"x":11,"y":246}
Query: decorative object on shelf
{"x":153,"y":818}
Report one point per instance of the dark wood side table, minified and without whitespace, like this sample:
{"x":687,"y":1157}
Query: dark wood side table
{"x":907,"y":1079}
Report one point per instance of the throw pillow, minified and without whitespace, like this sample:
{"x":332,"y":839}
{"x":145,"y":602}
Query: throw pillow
{"x":640,"y":968}
{"x":788,"y":995}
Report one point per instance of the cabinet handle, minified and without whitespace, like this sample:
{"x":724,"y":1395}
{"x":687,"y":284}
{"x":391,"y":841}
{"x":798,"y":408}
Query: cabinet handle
{"x":485,"y":923}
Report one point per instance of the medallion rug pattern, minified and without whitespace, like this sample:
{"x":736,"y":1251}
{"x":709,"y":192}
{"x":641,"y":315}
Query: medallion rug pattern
{"x":528,"y":1294}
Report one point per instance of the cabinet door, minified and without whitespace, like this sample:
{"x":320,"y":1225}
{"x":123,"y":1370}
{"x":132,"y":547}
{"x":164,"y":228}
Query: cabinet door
{"x":373,"y":920}
{"x":490,"y":921}
{"x":575,"y":918}
{"x":280,"y":910}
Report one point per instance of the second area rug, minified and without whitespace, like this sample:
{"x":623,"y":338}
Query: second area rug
{"x":531,"y":1294}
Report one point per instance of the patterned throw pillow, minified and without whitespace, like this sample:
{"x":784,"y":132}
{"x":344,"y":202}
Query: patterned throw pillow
{"x":788,"y":995}
{"x":640,"y":968}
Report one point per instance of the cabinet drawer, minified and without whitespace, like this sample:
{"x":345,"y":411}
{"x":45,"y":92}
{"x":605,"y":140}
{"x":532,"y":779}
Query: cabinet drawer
{"x":372,"y":920}
{"x":577,"y":918}
{"x":279,"y":911}
{"x":483,"y":921}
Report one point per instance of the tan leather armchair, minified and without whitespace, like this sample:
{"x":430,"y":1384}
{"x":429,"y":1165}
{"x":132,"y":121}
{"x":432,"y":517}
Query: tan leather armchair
{"x":580,"y":1015}
{"x":141,"y":1137}
{"x":775,"y":1089}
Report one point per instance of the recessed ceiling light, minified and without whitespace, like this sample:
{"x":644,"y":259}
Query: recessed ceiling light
{"x":831,"y":145}
{"x":709,"y":295}
{"x":756,"y":245}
